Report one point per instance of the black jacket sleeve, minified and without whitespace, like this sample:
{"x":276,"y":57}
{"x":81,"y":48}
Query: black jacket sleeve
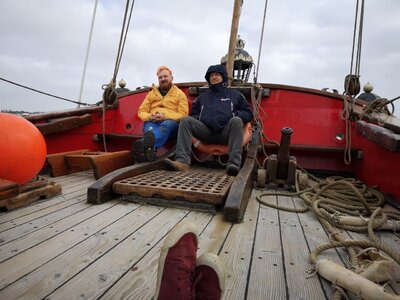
{"x":243,"y":110}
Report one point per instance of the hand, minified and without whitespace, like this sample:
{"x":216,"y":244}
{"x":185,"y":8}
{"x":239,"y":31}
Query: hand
{"x":157,"y":117}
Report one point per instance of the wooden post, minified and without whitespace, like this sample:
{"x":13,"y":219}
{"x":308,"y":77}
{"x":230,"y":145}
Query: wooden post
{"x":232,"y":41}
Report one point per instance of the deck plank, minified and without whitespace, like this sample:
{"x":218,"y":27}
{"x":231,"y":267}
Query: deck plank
{"x":140,"y":282}
{"x":29,"y":260}
{"x":55,"y":273}
{"x":267,"y":278}
{"x":111,"y":250}
{"x":102,"y":274}
{"x":296,"y":257}
{"x":236,"y":253}
{"x":38,"y":223}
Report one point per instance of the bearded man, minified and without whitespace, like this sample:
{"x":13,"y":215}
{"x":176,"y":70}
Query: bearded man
{"x":161,"y":110}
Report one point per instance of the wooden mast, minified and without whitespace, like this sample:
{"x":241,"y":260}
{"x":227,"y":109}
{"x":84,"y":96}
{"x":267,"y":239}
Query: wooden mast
{"x":232,"y":41}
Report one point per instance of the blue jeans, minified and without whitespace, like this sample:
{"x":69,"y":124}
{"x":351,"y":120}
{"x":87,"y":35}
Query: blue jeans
{"x":163,"y":131}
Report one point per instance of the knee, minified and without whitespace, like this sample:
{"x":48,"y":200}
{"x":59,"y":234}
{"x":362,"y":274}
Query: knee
{"x":185,"y":121}
{"x":236,"y":123}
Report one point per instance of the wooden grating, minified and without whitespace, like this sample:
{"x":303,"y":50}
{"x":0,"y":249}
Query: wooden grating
{"x":211,"y":187}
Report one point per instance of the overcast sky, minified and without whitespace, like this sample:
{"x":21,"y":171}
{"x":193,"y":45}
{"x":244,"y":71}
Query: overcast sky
{"x":306,"y":43}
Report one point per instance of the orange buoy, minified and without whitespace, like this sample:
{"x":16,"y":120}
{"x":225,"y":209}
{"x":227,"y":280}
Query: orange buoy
{"x":22,"y":149}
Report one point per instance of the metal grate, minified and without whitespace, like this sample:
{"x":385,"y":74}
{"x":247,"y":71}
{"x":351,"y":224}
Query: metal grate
{"x":211,"y":187}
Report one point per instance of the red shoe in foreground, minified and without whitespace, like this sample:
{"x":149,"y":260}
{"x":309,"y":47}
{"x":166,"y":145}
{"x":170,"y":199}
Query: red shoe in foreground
{"x":177,"y":263}
{"x":209,"y":282}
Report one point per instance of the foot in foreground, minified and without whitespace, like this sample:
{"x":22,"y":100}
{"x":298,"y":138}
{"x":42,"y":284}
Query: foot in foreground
{"x":174,"y":165}
{"x":181,"y":275}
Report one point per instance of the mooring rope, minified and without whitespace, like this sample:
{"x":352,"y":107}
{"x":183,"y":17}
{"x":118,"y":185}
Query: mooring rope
{"x":335,"y":198}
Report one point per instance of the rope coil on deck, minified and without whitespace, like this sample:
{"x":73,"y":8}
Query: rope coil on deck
{"x":335,"y":199}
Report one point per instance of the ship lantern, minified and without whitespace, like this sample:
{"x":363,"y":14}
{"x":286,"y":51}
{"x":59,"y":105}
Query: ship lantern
{"x":243,"y":62}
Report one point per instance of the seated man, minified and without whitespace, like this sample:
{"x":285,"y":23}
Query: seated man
{"x":161,"y":111}
{"x":217,"y":117}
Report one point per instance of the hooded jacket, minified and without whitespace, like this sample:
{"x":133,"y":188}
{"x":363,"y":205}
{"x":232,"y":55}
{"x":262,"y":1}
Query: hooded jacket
{"x":218,"y":105}
{"x":173,"y":105}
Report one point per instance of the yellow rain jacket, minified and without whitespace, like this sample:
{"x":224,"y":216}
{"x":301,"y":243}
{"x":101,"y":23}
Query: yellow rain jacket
{"x":174,"y":105}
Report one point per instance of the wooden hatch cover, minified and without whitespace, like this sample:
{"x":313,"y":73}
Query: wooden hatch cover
{"x":162,"y":186}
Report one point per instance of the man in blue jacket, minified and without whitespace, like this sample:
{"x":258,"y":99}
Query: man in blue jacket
{"x":217,"y":117}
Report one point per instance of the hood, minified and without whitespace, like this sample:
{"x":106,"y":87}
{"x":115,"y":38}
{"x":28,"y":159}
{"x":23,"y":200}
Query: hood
{"x":219,"y":69}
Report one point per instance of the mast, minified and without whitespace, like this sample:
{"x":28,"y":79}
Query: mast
{"x":232,"y":41}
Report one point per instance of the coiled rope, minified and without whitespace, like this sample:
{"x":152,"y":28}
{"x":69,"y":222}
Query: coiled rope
{"x":336,"y":197}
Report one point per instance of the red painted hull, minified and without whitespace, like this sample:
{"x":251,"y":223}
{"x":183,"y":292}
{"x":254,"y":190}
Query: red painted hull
{"x":314,"y":116}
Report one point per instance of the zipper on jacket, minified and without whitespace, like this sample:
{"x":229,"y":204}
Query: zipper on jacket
{"x":201,"y":111}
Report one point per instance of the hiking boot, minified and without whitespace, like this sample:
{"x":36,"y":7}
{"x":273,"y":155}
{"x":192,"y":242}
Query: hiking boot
{"x":174,"y":165}
{"x":209,"y":279}
{"x":177,"y":263}
{"x":143,"y":149}
{"x":232,"y":170}
{"x":148,"y":145}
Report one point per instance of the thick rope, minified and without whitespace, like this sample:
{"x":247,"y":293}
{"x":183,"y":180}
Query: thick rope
{"x":336,"y":197}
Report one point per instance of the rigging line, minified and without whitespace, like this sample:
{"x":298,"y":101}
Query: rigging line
{"x":87,"y":52}
{"x":354,"y":38}
{"x":44,"y":93}
{"x":124,"y":34}
{"x":360,"y":33}
{"x":261,"y":41}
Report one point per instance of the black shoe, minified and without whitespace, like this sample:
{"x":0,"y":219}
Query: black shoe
{"x":148,"y":139}
{"x":232,"y":170}
{"x":148,"y":145}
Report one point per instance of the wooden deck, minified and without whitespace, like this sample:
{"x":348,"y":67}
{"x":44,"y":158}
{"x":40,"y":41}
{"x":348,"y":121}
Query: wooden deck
{"x":64,"y":248}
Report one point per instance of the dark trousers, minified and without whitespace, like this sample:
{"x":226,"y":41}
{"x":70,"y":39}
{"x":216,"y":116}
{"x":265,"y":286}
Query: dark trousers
{"x":231,"y":135}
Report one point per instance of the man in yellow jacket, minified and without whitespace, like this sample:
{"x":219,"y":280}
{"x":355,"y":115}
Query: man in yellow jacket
{"x":160,"y":111}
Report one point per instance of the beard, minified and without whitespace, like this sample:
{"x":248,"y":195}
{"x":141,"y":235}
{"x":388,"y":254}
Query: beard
{"x":166,"y":85}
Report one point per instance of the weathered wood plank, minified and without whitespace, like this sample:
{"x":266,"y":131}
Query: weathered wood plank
{"x":267,"y":274}
{"x":102,"y":274}
{"x":296,"y":256}
{"x":52,"y":275}
{"x":34,"y":257}
{"x":236,"y":253}
{"x":32,"y":225}
{"x":140,"y":281}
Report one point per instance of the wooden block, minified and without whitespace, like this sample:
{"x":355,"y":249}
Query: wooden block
{"x":108,"y":162}
{"x":8,"y":188}
{"x":23,"y":199}
{"x":58,"y":164}
{"x":35,"y":183}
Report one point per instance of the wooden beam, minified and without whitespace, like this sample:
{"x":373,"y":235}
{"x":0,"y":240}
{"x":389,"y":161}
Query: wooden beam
{"x":240,"y":192}
{"x":64,"y":124}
